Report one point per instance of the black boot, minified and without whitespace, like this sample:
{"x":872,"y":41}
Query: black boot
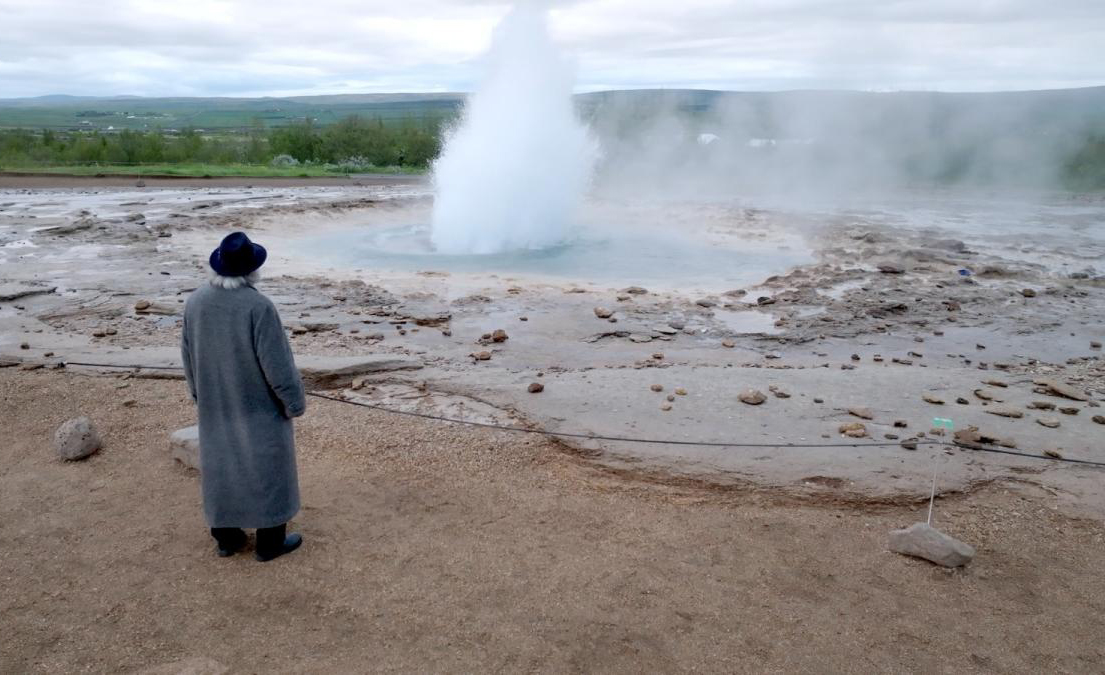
{"x":272,"y":543}
{"x":228,"y":540}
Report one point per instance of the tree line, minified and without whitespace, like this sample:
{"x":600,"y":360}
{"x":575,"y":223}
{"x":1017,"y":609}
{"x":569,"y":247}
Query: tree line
{"x":351,"y":142}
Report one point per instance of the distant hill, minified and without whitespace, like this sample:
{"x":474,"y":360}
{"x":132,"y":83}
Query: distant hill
{"x":760,"y":111}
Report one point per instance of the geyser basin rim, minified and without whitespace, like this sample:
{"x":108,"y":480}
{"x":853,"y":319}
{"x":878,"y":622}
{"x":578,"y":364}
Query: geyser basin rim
{"x":612,"y":254}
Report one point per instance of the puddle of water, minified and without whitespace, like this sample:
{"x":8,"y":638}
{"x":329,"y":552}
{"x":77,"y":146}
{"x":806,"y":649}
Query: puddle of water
{"x":748,"y":322}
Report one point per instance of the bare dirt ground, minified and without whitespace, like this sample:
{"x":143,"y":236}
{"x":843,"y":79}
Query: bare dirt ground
{"x":431,"y":548}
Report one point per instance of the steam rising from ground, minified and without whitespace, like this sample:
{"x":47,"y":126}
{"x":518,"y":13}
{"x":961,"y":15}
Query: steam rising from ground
{"x":515,"y":168}
{"x":790,"y":146}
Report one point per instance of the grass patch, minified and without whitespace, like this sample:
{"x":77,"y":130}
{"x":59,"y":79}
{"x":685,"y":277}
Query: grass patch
{"x":204,"y":170}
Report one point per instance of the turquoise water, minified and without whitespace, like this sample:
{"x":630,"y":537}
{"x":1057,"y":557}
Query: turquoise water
{"x":616,"y":255}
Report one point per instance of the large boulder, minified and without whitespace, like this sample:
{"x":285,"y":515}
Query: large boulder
{"x":922,"y":540}
{"x":184,"y":446}
{"x":76,"y":439}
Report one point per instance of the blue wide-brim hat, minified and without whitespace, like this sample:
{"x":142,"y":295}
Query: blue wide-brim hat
{"x":237,"y":256}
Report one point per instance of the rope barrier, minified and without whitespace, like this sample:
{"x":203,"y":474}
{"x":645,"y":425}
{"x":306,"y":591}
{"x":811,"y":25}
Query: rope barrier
{"x":628,"y":439}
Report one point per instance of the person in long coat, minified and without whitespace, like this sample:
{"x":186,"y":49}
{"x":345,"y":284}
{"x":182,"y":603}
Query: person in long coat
{"x":242,"y":376}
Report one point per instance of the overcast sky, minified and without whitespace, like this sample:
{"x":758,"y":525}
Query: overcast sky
{"x":280,"y":47}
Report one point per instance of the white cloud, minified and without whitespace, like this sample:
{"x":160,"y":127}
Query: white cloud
{"x":252,"y":47}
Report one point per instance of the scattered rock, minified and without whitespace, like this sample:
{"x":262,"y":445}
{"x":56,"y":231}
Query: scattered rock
{"x":962,"y":401}
{"x":909,"y":444}
{"x":921,"y":540}
{"x":670,"y":398}
{"x":1094,"y":344}
{"x":1049,"y":422}
{"x":1062,"y":389}
{"x":855,"y":357}
{"x":76,"y":439}
{"x":765,"y":300}
{"x":728,"y":344}
{"x":995,"y":383}
{"x":986,"y":395}
{"x":184,"y":446}
{"x":1028,"y":292}
{"x":680,"y":391}
{"x":900,"y":424}
{"x":891,"y":437}
{"x":603,"y":313}
{"x":140,"y":184}
{"x":854,"y":430}
{"x":482,"y":356}
{"x":499,"y":336}
{"x":665,"y":407}
{"x":1100,"y":419}
{"x":635,"y":290}
{"x":640,"y":338}
{"x":1042,"y":405}
{"x":535,"y":388}
{"x":933,"y":399}
{"x":862,"y":413}
{"x":1069,"y":411}
{"x":657,"y":387}
{"x":779,"y":393}
{"x":818,"y":400}
{"x":141,"y":305}
{"x":1001,"y":411}
{"x":971,"y":437}
{"x":1055,"y":454}
{"x":24,"y":345}
{"x":752,"y":397}
{"x":890,"y":268}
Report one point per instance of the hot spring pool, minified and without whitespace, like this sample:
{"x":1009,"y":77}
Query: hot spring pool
{"x":613,"y":255}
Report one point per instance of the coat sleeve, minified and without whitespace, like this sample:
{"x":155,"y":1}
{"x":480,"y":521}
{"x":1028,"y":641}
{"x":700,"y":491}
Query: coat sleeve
{"x":274,"y":354}
{"x":186,"y":359}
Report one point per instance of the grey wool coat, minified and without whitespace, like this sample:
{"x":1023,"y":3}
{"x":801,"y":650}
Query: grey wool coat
{"x":243,"y":378}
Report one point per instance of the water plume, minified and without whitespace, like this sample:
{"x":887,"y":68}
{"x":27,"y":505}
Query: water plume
{"x":514,"y":169}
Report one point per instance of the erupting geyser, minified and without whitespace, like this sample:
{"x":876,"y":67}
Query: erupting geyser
{"x":517,"y":165}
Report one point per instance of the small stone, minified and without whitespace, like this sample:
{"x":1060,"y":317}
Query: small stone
{"x":891,"y":437}
{"x":909,"y":444}
{"x":933,"y":399}
{"x":184,"y":446}
{"x":1053,"y":453}
{"x":499,"y":336}
{"x":1049,"y":422}
{"x":635,"y":290}
{"x":818,"y":400}
{"x":140,"y":183}
{"x":995,"y":383}
{"x":657,"y":387}
{"x":141,"y":305}
{"x":76,"y":439}
{"x":535,"y":388}
{"x":1100,"y":419}
{"x":523,"y":318}
{"x":670,"y":398}
{"x":1062,"y":389}
{"x":1028,"y":292}
{"x":1094,"y":344}
{"x":482,"y":356}
{"x":447,"y":333}
{"x":752,"y":397}
{"x":847,"y":366}
{"x":877,"y":358}
{"x":665,"y":407}
{"x":603,"y":312}
{"x":1005,"y":412}
{"x":779,"y":393}
{"x":706,"y":302}
{"x":728,"y":344}
{"x":24,"y":345}
{"x":900,"y":424}
{"x":98,"y":333}
{"x":111,"y":331}
{"x":854,"y":430}
{"x":680,"y":391}
{"x":890,"y":268}
{"x":1069,"y":411}
{"x":765,"y":300}
{"x":986,"y":395}
{"x":855,"y":357}
{"x":921,"y":540}
{"x":862,"y":413}
{"x":962,"y":401}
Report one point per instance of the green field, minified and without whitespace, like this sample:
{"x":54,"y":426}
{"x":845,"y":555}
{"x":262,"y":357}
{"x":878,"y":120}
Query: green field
{"x":218,"y":114}
{"x":207,"y":170}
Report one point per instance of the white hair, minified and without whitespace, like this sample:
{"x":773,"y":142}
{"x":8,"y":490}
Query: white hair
{"x":230,"y":283}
